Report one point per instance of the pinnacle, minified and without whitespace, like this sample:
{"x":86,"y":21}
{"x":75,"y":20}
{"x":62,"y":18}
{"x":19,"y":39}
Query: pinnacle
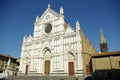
{"x":48,"y":5}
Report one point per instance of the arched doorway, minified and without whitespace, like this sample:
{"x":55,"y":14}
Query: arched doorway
{"x":70,"y":64}
{"x":47,"y":56}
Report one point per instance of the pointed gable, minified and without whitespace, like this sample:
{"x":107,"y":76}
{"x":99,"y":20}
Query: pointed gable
{"x":48,"y":15}
{"x":69,"y":29}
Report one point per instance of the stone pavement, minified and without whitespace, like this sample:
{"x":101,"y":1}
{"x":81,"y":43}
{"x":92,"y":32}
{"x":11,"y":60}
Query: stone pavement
{"x":45,"y":78}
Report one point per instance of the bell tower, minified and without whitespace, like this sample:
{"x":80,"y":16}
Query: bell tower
{"x":103,"y":44}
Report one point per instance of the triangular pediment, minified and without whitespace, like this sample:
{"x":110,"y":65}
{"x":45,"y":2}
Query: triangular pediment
{"x":69,"y":29}
{"x":48,"y":16}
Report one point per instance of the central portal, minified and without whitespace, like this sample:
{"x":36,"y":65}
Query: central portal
{"x":47,"y":58}
{"x":47,"y":68}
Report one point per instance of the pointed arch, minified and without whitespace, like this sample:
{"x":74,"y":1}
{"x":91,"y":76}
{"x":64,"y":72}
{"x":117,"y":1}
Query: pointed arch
{"x":44,"y":50}
{"x":70,"y":57}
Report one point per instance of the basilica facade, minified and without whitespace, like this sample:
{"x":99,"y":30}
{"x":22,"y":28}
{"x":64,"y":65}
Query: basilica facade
{"x":55,"y":49}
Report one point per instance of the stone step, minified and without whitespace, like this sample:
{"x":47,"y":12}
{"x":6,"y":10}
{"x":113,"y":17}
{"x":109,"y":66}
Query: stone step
{"x":45,"y":78}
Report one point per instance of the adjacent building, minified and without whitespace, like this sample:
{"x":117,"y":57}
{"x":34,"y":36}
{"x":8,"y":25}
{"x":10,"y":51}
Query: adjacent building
{"x":103,"y":64}
{"x":9,"y":64}
{"x":106,"y":64}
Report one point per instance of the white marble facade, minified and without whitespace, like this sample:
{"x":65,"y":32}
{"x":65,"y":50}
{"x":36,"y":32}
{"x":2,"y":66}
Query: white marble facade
{"x":54,"y":49}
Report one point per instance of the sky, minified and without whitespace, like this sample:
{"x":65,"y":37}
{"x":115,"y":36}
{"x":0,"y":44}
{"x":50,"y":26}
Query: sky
{"x":17,"y":19}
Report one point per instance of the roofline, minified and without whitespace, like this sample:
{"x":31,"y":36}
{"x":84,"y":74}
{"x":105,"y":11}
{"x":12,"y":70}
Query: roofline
{"x":106,"y":54}
{"x":7,"y":56}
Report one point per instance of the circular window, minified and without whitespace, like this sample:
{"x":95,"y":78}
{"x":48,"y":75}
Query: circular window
{"x":48,"y":28}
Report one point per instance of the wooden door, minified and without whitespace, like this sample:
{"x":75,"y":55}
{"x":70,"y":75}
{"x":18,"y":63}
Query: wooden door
{"x":88,"y":70}
{"x":26,"y":69}
{"x":71,"y":68}
{"x":47,"y":68}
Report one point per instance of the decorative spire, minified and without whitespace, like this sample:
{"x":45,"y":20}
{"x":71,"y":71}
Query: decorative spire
{"x":48,"y":5}
{"x":103,"y":44}
{"x":24,"y":38}
{"x":77,"y":25}
{"x":37,"y":17}
{"x":61,"y":10}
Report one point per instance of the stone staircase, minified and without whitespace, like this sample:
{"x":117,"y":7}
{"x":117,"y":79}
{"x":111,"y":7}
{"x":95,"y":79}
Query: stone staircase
{"x":45,"y":78}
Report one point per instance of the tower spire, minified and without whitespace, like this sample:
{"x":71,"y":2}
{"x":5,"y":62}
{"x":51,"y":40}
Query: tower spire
{"x":102,"y":38}
{"x":103,"y":44}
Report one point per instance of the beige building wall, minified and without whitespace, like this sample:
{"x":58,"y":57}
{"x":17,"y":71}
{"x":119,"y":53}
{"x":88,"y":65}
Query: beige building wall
{"x":101,"y":63}
{"x":87,"y":52}
{"x":115,"y":62}
{"x":112,"y":62}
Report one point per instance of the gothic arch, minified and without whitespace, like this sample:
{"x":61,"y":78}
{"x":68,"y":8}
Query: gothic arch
{"x":46,"y":53}
{"x":45,"y":48}
{"x":69,"y":55}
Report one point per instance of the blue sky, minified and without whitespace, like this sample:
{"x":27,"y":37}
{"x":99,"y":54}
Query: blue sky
{"x":17,"y":19}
